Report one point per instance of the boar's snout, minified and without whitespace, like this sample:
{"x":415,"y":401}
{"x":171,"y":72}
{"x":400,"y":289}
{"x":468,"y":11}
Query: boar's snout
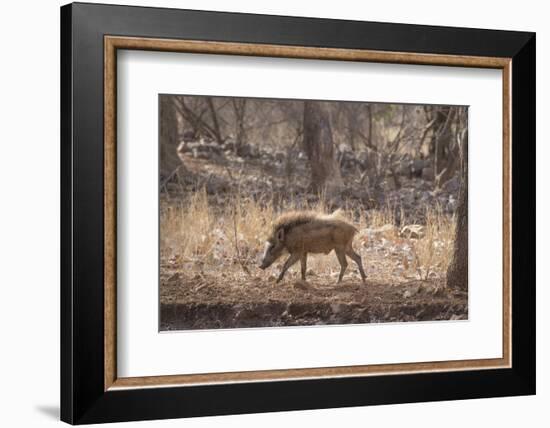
{"x":271,"y":253}
{"x":267,"y":258}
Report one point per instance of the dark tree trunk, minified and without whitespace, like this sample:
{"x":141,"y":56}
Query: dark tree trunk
{"x":216,"y":124}
{"x":239,"y":110}
{"x":457,"y":273}
{"x":352,"y":123}
{"x":169,"y":160}
{"x":369,"y":115}
{"x":441,"y":146}
{"x":319,"y":147}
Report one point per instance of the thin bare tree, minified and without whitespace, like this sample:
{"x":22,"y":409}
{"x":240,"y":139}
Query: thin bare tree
{"x":215,"y":122}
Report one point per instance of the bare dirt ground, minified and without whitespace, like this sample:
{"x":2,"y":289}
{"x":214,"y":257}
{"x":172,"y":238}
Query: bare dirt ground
{"x":259,"y":302}
{"x":210,"y":249}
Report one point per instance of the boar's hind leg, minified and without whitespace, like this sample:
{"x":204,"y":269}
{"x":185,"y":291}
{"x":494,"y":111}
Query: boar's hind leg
{"x":289,"y":262}
{"x":343,"y":262}
{"x":357,"y":259}
{"x":303,"y":260}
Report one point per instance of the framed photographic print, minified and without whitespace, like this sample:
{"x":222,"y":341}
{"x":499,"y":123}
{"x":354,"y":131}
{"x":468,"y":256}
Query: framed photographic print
{"x":266,"y":213}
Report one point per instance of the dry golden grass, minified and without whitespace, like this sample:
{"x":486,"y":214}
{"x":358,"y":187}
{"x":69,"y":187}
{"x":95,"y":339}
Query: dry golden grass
{"x":229,"y":240}
{"x":433,"y":253}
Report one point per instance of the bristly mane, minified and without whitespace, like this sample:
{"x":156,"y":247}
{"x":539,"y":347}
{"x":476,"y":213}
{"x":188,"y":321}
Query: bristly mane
{"x":291,"y":219}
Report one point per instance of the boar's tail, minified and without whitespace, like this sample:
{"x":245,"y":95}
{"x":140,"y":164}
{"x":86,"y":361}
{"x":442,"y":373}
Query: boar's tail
{"x":340,"y":216}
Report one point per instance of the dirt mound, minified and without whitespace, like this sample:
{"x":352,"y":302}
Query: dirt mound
{"x":197,"y":303}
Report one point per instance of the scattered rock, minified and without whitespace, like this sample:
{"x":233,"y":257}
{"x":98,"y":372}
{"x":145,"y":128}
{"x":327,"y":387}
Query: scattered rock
{"x":452,"y":185}
{"x":189,"y":136}
{"x":247,"y":150}
{"x":411,"y":292}
{"x":408,"y":294}
{"x":387,"y":231}
{"x":229,"y":145}
{"x":413,"y":231}
{"x":428,"y":173}
{"x":458,"y":317}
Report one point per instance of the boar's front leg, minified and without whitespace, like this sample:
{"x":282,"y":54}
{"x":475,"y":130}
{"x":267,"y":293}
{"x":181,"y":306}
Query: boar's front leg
{"x":289,"y":262}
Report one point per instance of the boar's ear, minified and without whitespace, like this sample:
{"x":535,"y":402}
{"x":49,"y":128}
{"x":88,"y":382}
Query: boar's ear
{"x":280,"y":234}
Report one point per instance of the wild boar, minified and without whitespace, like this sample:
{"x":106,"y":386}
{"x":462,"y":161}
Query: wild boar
{"x":303,"y":232}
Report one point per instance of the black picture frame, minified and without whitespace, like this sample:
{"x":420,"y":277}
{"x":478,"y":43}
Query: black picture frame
{"x":83,"y":398}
